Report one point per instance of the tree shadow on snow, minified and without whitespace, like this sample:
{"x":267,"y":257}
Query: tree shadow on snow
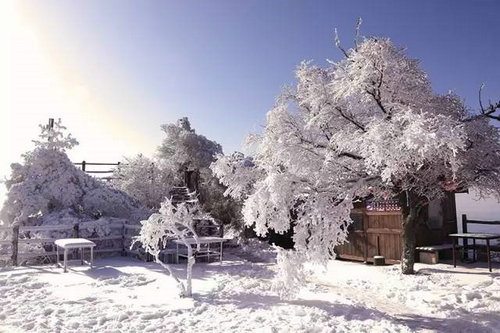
{"x":464,"y":321}
{"x":206,"y":271}
{"x":486,"y":322}
{"x":485,"y":272}
{"x":104,"y":272}
{"x":30,"y":270}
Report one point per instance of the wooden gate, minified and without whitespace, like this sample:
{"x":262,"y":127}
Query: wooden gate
{"x":371,"y":234}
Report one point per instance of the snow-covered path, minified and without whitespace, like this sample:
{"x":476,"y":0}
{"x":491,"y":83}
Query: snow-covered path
{"x":439,"y":298}
{"x":126,"y":295}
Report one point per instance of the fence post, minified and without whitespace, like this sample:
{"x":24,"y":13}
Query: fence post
{"x":76,"y":234}
{"x":123,"y":240}
{"x":83,"y":166}
{"x":15,"y":243}
{"x":464,"y":230}
{"x":76,"y":230}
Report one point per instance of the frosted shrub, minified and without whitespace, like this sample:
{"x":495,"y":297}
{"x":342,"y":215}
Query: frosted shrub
{"x":147,"y":180}
{"x":172,"y":222}
{"x":290,"y":273}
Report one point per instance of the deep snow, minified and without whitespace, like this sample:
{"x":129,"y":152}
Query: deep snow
{"x":126,"y":295}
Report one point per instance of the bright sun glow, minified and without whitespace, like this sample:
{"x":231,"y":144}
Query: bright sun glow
{"x":40,"y":85}
{"x":37,"y":85}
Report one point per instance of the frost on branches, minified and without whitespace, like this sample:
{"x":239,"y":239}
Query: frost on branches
{"x":146,"y":180}
{"x":53,"y":137}
{"x":184,"y":149}
{"x":236,"y":170}
{"x":172,"y":222}
{"x":367,"y":125}
{"x":48,"y":189}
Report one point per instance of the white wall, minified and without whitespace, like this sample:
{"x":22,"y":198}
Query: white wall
{"x":484,"y":209}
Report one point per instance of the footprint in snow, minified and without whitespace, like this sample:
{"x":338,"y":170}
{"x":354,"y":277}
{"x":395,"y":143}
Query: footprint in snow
{"x":35,"y":285}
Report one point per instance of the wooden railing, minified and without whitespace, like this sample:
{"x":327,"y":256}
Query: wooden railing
{"x":123,"y":238}
{"x":84,"y":165}
{"x":466,"y":221}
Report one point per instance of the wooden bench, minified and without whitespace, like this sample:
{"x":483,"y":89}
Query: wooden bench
{"x":430,"y":254}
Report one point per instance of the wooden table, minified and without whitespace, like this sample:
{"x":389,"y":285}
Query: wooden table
{"x":74,"y":243}
{"x":203,"y":241}
{"x":483,"y":236}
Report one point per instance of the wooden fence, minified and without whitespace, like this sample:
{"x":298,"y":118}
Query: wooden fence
{"x":84,"y":165}
{"x":127,"y":232}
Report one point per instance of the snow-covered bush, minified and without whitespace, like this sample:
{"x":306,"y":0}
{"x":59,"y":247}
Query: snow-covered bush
{"x":172,"y":222}
{"x":147,"y":180}
{"x":290,"y":273}
{"x":48,"y":189}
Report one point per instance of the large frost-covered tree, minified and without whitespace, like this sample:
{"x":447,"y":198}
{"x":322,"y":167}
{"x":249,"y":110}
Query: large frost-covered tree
{"x":367,"y":125}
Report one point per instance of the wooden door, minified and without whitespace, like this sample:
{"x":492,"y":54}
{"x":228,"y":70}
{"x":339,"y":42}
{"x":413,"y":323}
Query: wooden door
{"x":383,"y":234}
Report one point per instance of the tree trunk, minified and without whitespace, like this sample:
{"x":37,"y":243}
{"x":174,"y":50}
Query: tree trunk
{"x":189,"y":271}
{"x":180,"y":285}
{"x":409,"y":241}
{"x":411,"y":205}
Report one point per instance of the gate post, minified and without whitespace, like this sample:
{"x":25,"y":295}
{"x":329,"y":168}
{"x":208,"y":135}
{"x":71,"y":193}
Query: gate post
{"x":123,"y":240}
{"x":15,"y":244}
{"x":464,"y":230}
{"x":76,"y":230}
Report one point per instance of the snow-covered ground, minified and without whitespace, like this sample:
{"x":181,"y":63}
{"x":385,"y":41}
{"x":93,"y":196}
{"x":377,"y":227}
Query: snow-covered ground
{"x":126,"y":295}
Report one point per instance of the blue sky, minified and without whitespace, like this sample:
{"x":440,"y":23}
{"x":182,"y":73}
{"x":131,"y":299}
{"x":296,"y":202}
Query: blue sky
{"x":115,"y":70}
{"x":222,"y":63}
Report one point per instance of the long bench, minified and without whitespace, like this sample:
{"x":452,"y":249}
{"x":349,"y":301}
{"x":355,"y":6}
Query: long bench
{"x":430,"y":254}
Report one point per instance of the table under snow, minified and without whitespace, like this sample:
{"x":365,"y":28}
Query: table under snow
{"x":71,"y":244}
{"x":205,"y":250}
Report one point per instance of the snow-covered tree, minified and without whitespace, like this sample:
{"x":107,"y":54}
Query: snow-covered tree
{"x":172,"y":222}
{"x":52,"y":137}
{"x":147,"y":180}
{"x":185,"y":150}
{"x":367,"y":125}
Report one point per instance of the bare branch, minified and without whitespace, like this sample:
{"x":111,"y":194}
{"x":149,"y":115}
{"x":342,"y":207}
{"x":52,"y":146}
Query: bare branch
{"x":488,"y":112}
{"x":480,"y":99}
{"x":376,"y":97}
{"x":376,"y":94}
{"x":353,"y":156}
{"x":358,"y":26}
{"x":337,"y":44}
{"x":346,"y":117}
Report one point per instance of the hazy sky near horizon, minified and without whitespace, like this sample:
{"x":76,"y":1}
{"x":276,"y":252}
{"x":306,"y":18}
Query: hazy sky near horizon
{"x":115,"y":70}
